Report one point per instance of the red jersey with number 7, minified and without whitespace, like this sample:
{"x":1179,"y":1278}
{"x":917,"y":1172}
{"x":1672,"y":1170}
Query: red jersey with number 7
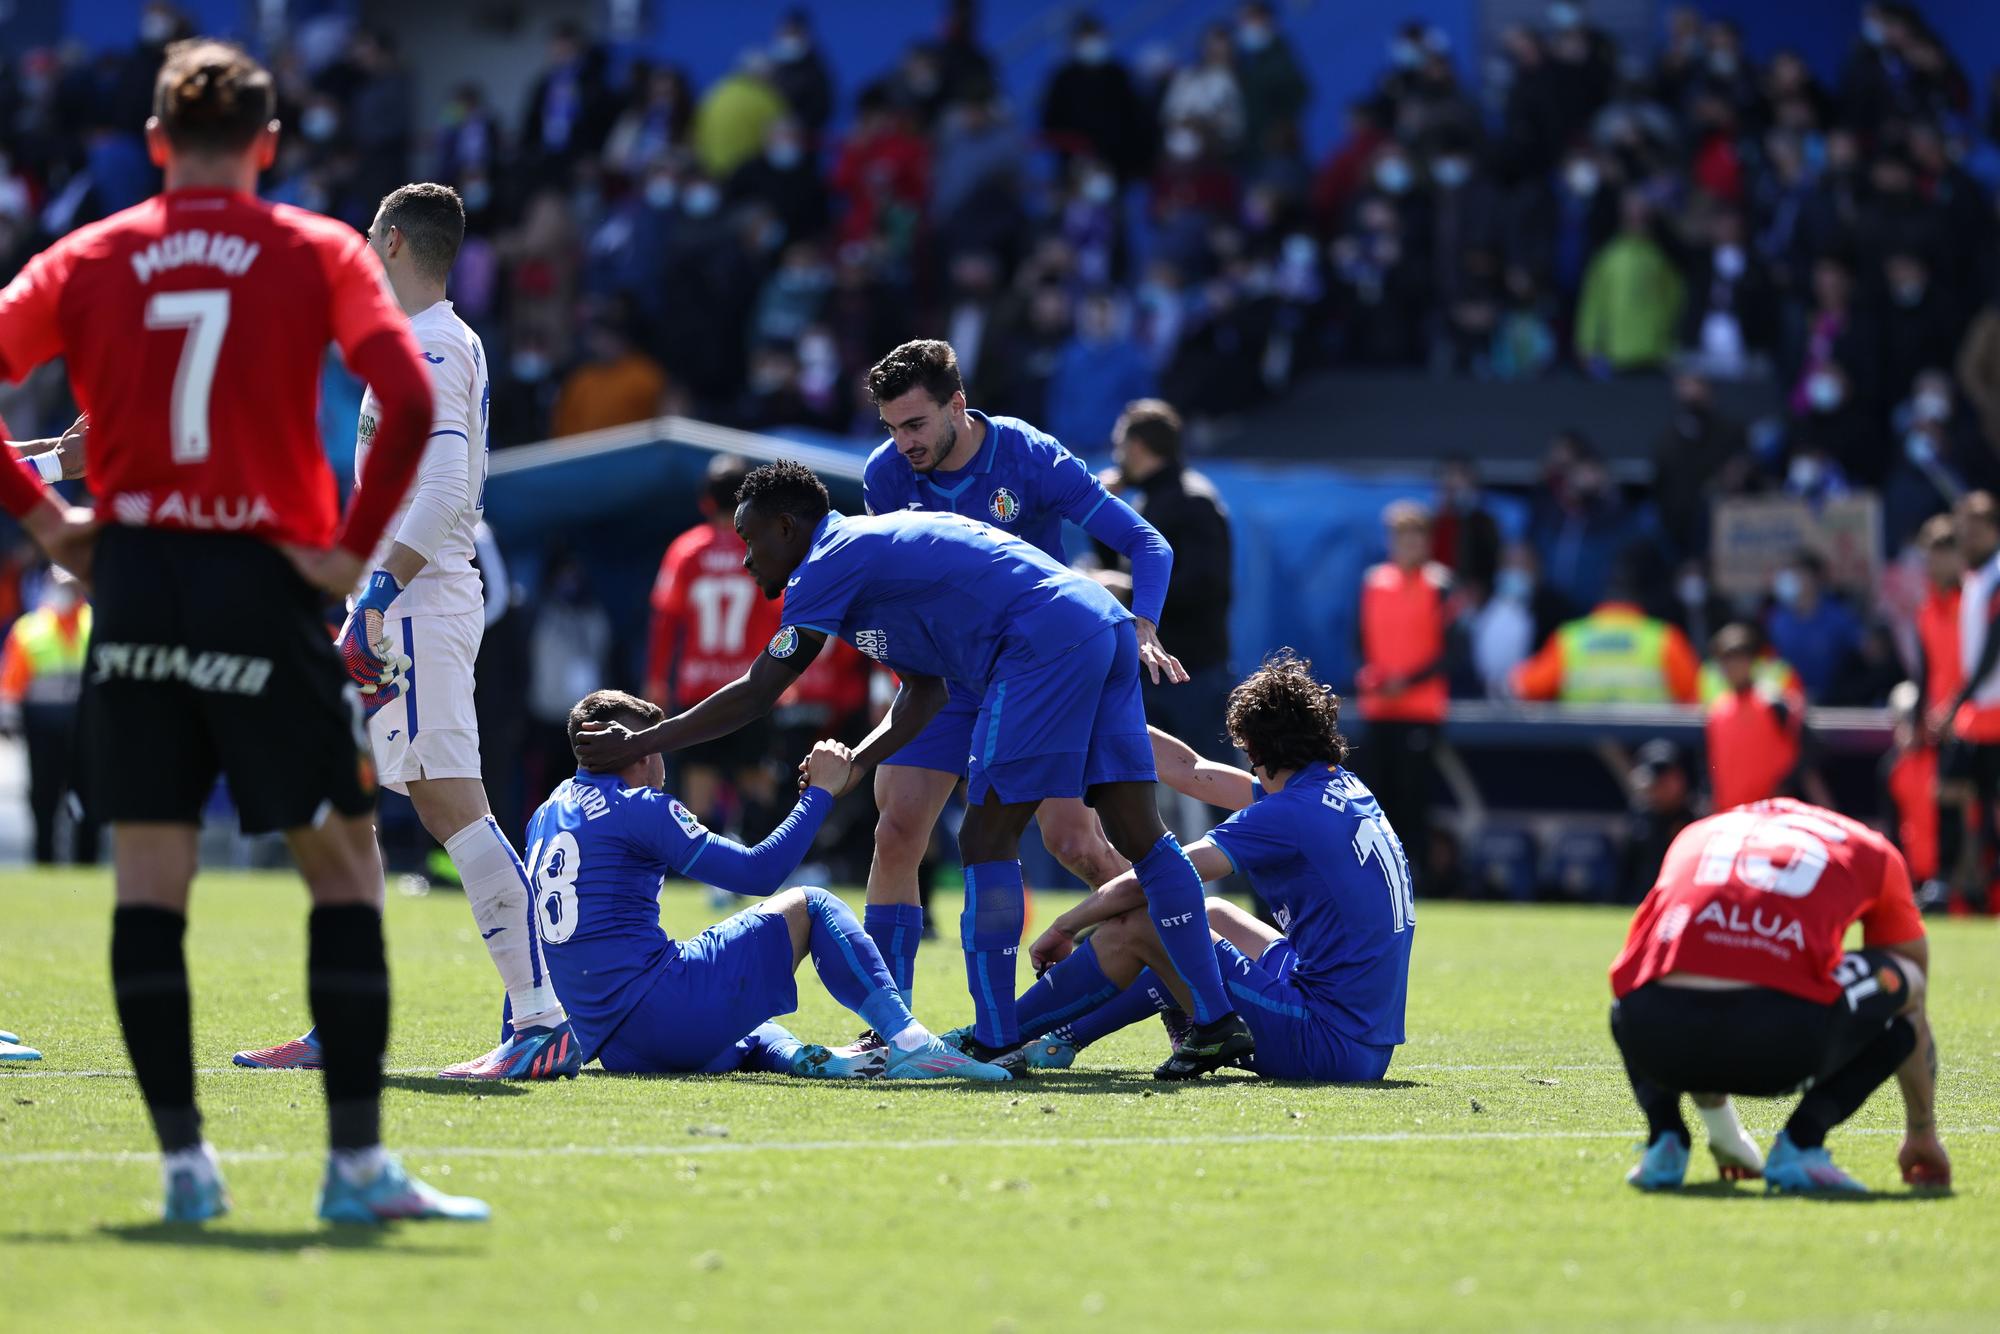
{"x":710,"y":620}
{"x":195,"y":326}
{"x":1764,"y":894}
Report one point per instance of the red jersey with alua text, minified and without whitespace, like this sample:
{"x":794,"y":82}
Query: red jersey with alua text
{"x":1764,"y":894}
{"x":194,"y":326}
{"x":709,"y":617}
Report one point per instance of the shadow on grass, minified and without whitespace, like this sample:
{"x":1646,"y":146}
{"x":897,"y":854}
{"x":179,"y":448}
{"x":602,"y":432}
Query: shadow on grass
{"x":1067,"y":1082}
{"x":224,"y":1238}
{"x":1752,"y":1190}
{"x":455,"y":1088}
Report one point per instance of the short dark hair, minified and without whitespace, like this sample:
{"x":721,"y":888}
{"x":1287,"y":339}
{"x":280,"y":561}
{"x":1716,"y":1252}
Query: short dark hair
{"x":212,"y":96}
{"x":431,"y":218}
{"x":1154,"y":424}
{"x":786,"y":487}
{"x":926,"y":362}
{"x":726,"y":473}
{"x":611,"y":706}
{"x":1938,"y":531}
{"x":1283,"y":718}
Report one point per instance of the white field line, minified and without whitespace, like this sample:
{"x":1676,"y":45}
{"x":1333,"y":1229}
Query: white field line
{"x":707,"y":1147}
{"x":29,"y":1071}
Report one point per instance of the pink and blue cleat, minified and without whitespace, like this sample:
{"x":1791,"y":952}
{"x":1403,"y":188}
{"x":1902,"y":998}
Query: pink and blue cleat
{"x":549,"y":1052}
{"x":1793,"y":1170}
{"x":938,"y":1060}
{"x":301,"y":1053}
{"x":393,"y":1196}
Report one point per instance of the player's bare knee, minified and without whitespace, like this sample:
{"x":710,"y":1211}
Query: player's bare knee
{"x":900,"y":840}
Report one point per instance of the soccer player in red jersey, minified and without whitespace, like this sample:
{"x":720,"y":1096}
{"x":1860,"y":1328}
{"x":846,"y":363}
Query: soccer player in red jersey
{"x":709,"y":624}
{"x":193,"y":326}
{"x":1734,"y":980}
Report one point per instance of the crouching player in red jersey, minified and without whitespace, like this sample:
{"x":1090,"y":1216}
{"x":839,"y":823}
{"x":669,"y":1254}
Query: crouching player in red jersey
{"x":1733,"y":980}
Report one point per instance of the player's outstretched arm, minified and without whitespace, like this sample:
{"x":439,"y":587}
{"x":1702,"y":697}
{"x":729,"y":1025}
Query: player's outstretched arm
{"x":1191,"y":775}
{"x":611,"y":747}
{"x":1922,"y":1157}
{"x":917,"y":701}
{"x":764,"y":869}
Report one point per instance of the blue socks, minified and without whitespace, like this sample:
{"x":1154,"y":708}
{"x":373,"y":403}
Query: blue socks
{"x":851,"y":967}
{"x":770,"y":1048}
{"x":990,"y":931}
{"x":1147,"y":996}
{"x":896,"y":929}
{"x":1175,"y":902}
{"x":1065,"y":993}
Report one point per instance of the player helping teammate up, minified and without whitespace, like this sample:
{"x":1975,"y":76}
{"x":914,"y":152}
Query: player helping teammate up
{"x":1056,"y":662}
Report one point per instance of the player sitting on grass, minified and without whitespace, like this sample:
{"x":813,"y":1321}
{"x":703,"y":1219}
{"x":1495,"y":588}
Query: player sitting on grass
{"x":1733,"y":980}
{"x":1325,"y":999}
{"x":641,"y":1002}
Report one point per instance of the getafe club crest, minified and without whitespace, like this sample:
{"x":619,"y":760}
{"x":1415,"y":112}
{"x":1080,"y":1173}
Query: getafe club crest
{"x":784,"y":644}
{"x":1005,"y":506}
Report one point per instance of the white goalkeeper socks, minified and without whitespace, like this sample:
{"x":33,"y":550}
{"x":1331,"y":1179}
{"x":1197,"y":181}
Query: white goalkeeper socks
{"x":1726,"y":1134}
{"x":496,"y":886}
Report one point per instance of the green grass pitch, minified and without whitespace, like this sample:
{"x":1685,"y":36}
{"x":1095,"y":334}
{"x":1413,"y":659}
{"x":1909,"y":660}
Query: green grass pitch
{"x":1479,"y":1188}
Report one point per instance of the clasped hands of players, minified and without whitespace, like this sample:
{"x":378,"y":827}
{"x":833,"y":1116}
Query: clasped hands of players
{"x":829,"y":766}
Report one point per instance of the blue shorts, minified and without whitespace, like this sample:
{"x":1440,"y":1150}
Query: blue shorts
{"x":946,"y":740}
{"x":727,"y":981}
{"x":1293,"y":1040}
{"x":1061,"y":727}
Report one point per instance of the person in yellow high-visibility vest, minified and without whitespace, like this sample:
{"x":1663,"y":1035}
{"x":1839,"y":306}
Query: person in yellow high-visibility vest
{"x":41,"y":677}
{"x":1615,"y":655}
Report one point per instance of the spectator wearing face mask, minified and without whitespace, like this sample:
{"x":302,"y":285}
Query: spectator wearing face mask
{"x":798,"y":71}
{"x":786,"y":180}
{"x":1206,"y":94}
{"x":1098,"y":372}
{"x":1661,"y":787}
{"x":1090,"y":106}
{"x":1498,"y":625}
{"x":616,"y":382}
{"x":1275,"y":91}
{"x":1730,"y":323}
{"x":1810,"y":626}
{"x":1917,"y":327}
{"x":1939,"y":457}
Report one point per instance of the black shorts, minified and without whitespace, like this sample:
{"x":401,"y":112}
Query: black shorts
{"x":1757,"y":1041}
{"x":210,"y":655}
{"x":745,"y":748}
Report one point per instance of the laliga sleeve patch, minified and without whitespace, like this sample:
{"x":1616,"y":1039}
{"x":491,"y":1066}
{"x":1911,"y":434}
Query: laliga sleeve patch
{"x":784,"y":644}
{"x":685,"y":819}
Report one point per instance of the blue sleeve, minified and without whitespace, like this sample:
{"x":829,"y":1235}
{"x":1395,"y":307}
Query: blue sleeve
{"x":666,"y":832}
{"x":878,"y":485}
{"x":818,"y":595}
{"x":762,"y":870}
{"x":1118,"y":526}
{"x":1252,"y":838}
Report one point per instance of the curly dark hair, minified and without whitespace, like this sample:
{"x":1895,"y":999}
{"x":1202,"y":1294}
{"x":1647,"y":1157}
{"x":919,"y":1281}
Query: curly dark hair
{"x":927,"y":363}
{"x":786,"y":487}
{"x":1283,"y":718}
{"x":611,"y":706}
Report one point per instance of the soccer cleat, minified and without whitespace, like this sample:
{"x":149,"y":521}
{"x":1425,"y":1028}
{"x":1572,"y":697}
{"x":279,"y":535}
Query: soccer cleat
{"x":13,"y":1049}
{"x":1805,"y":1171}
{"x":938,"y":1059}
{"x":1177,"y":1024}
{"x":550,"y":1052}
{"x":1664,"y":1165}
{"x":1050,"y":1053}
{"x":301,"y":1053}
{"x":394,"y":1195}
{"x":193,"y":1186}
{"x":1737,"y":1162}
{"x":1014,"y":1060}
{"x":869,"y":1040}
{"x":817,"y":1062}
{"x":1208,"y":1047}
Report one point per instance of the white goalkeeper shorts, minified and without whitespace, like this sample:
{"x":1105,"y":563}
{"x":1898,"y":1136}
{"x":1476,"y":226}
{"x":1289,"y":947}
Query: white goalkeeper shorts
{"x":432,"y":729}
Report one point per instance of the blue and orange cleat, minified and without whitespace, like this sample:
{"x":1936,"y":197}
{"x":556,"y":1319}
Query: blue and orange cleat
{"x":550,"y":1052}
{"x":193,"y":1186}
{"x":1664,"y":1165}
{"x":1798,"y":1171}
{"x":1050,"y":1052}
{"x":393,"y":1196}
{"x":301,"y":1053}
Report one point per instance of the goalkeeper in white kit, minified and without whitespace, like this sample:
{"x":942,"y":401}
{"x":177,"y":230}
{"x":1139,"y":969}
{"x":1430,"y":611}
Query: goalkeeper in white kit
{"x":413,"y":633}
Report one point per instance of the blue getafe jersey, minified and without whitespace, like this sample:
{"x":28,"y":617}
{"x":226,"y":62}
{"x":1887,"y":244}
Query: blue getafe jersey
{"x":939,"y":595}
{"x":1021,"y":481}
{"x":596,"y":852}
{"x":1323,"y":856}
